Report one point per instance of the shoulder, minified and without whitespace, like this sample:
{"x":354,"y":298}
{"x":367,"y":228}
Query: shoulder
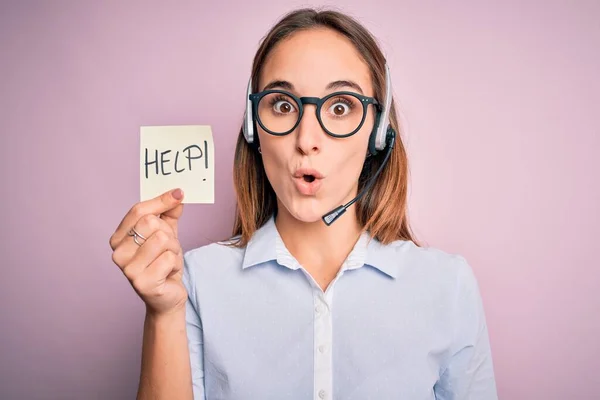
{"x":445,"y":274}
{"x":430,"y":266}
{"x":436,"y":260}
{"x":444,"y":281}
{"x":410,"y":258}
{"x":223,"y":253}
{"x":211,"y":264}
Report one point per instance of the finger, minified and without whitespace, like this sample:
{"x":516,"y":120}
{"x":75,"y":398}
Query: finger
{"x":163,"y":266}
{"x":155,"y":206}
{"x":154,"y":276}
{"x":146,"y":227}
{"x":171,"y":217}
{"x":178,"y":268}
{"x":149,"y":251}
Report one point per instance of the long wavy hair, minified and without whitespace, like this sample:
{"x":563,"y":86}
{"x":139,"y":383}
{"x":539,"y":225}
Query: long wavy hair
{"x":383,"y":209}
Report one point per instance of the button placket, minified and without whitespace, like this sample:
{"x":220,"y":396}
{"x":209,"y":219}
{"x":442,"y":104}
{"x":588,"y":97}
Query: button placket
{"x":322,"y":342}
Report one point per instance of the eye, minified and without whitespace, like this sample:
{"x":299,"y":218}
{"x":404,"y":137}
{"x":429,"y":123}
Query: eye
{"x":283,"y":107}
{"x":340,"y":107}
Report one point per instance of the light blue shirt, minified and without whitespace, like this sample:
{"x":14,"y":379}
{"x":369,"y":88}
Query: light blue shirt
{"x":397,"y":322}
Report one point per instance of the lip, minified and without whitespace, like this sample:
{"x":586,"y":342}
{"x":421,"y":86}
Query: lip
{"x":304,"y":187}
{"x":300,"y":172}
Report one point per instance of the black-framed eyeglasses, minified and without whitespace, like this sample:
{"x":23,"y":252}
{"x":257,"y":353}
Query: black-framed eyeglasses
{"x":341,"y":114}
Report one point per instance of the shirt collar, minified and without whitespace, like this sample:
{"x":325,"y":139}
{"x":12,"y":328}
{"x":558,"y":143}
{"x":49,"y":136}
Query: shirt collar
{"x":266,"y":245}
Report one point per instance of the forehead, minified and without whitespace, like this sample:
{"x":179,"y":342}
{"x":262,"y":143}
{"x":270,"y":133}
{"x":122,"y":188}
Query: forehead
{"x":313,"y":58}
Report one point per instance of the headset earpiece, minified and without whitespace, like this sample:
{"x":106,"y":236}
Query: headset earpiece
{"x":378,"y":138}
{"x":248,"y":120}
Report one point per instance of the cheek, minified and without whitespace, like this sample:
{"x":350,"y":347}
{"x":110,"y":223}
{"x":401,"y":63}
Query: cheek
{"x":274,"y":172}
{"x":349,"y":158}
{"x":275,"y":154}
{"x":351,"y":165}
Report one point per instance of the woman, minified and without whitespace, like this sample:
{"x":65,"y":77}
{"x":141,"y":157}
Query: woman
{"x":301,"y":303}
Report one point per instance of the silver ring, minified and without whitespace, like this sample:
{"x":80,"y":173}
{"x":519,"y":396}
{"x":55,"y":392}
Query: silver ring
{"x":136,"y":233}
{"x":135,"y":239}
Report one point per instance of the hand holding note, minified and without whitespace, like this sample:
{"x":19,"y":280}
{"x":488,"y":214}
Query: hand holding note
{"x":177,"y":157}
{"x":174,"y":160}
{"x":145,"y":247}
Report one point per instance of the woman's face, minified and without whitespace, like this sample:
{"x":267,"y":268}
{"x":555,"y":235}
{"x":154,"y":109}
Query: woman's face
{"x":311,"y":171}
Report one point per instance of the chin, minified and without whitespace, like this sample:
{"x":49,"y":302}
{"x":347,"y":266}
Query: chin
{"x":306,"y":210}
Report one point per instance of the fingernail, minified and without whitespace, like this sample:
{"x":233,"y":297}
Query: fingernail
{"x":177,"y":194}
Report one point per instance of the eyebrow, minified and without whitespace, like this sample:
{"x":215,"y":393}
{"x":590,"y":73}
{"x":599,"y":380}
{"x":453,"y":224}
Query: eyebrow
{"x":341,"y":84}
{"x":333,"y":85}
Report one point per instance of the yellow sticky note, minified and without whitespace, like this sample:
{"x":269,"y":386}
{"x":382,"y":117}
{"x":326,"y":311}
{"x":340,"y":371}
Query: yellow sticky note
{"x":179,"y":156}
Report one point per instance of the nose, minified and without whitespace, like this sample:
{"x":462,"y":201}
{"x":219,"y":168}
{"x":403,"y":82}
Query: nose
{"x":309,"y":134}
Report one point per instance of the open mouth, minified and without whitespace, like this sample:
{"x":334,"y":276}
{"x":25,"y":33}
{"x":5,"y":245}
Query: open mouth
{"x":308,"y":178}
{"x":308,"y":181}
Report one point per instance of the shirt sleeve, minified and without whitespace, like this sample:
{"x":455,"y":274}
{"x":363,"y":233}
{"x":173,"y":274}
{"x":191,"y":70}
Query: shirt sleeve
{"x":469,"y":373}
{"x":194,"y":332}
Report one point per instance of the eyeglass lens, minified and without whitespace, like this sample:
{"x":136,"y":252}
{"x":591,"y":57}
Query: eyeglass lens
{"x":340,"y":114}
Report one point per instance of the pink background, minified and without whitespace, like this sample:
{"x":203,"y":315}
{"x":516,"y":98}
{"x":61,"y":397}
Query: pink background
{"x":501,"y":109}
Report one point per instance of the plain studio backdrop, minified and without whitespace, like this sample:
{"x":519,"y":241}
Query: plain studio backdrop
{"x":500,"y":105}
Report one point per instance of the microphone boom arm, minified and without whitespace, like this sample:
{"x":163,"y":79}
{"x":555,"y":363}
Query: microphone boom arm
{"x":337,"y":212}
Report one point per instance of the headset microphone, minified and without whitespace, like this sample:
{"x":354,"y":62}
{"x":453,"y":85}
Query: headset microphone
{"x":337,"y":212}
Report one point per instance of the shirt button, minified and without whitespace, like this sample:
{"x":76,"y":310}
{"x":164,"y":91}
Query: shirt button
{"x":322,"y":394}
{"x":318,"y":309}
{"x":322,"y":349}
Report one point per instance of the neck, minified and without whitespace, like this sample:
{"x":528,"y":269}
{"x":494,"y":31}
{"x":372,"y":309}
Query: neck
{"x":316,"y":246}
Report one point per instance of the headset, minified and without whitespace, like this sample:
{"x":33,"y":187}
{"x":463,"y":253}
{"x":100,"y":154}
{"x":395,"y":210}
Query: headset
{"x":383,"y":137}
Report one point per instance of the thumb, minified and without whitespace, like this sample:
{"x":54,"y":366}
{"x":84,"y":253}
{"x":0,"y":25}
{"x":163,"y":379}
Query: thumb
{"x":172,"y":215}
